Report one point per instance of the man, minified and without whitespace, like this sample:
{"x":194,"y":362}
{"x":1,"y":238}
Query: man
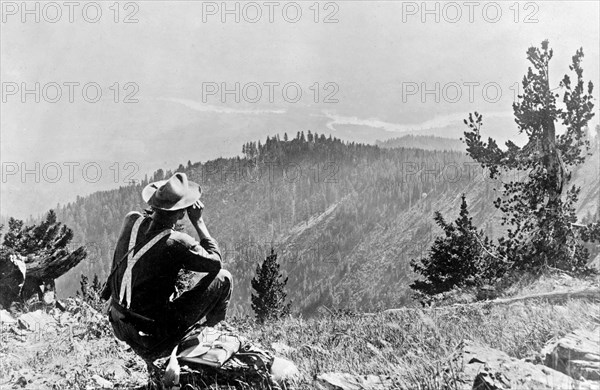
{"x":148,"y":257}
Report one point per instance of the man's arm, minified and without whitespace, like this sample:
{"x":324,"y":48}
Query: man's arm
{"x":201,"y":229}
{"x":194,"y":212}
{"x":205,"y":256}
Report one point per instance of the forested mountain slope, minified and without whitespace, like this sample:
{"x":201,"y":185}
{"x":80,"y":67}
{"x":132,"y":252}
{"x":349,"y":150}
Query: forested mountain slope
{"x":425,"y":142}
{"x":344,"y":218}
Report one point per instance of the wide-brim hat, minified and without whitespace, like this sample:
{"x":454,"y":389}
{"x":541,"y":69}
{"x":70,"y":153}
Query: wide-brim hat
{"x":175,"y":193}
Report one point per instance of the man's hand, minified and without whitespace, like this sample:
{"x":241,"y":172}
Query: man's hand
{"x":194,"y":212}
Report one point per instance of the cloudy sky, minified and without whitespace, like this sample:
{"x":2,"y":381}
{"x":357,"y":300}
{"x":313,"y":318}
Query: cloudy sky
{"x":149,"y":93}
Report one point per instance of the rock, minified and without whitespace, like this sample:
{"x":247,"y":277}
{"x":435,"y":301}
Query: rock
{"x":595,"y":263}
{"x":343,"y":381}
{"x":36,"y":320}
{"x":489,"y":369}
{"x":103,"y":383}
{"x":577,"y":354}
{"x":284,"y":371}
{"x":22,"y":381}
{"x":49,"y":297}
{"x":6,"y":318}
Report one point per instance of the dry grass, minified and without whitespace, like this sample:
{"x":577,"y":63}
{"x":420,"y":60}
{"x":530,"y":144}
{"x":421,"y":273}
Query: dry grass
{"x":412,"y":346}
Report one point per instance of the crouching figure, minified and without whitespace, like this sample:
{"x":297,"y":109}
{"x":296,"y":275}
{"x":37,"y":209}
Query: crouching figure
{"x":144,"y":310}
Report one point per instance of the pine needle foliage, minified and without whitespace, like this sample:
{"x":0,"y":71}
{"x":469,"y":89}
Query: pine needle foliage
{"x":457,"y":258}
{"x":269,"y":301}
{"x":538,"y":206}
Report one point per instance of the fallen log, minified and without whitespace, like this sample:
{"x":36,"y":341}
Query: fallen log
{"x":54,"y":264}
{"x":553,"y":296}
{"x":44,"y":270}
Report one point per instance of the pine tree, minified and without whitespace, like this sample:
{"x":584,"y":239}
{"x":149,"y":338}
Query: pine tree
{"x":83,"y":287}
{"x":539,"y":208}
{"x":456,"y":259}
{"x":96,"y":285}
{"x":269,"y":301}
{"x":90,"y":293}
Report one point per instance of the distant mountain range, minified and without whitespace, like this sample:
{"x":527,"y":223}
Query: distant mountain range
{"x":141,"y":151}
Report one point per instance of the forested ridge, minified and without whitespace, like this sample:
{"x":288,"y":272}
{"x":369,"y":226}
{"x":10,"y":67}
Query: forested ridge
{"x":425,"y":142}
{"x":345,"y":218}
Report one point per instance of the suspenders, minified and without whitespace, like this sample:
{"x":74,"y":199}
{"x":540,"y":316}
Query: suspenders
{"x":125,"y":291}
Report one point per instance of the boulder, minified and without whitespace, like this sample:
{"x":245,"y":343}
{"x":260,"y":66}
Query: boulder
{"x":486,"y":368}
{"x":577,"y":354}
{"x":284,"y":371}
{"x":102,"y":383}
{"x":595,"y":263}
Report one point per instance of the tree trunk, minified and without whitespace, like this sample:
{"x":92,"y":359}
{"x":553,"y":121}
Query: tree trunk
{"x":553,"y":164}
{"x":40,"y":270}
{"x":12,"y":277}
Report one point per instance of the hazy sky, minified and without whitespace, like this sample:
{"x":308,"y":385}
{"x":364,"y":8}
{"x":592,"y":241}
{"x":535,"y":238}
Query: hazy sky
{"x":369,"y":68}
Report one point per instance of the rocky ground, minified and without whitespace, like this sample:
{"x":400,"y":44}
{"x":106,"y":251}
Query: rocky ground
{"x":541,"y":341}
{"x":50,"y":348}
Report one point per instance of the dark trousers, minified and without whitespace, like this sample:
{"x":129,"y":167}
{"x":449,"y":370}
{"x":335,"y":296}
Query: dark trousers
{"x":208,"y":298}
